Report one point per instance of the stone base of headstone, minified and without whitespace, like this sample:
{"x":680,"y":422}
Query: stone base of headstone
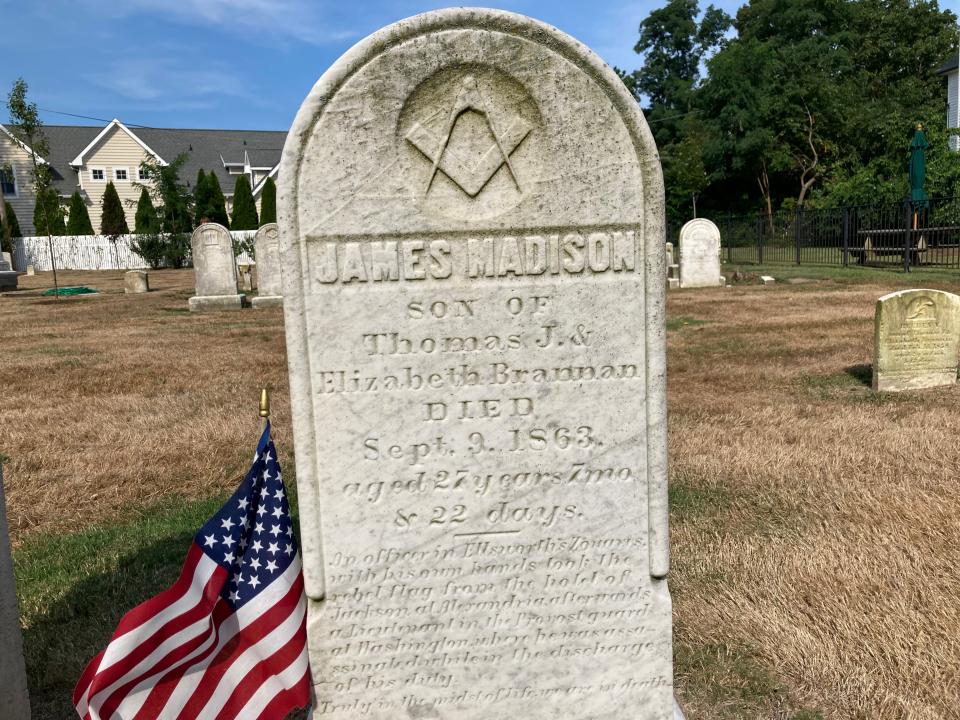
{"x":31,"y":270}
{"x":14,"y":697}
{"x":267,"y":301}
{"x":912,"y":381}
{"x":673,"y":283}
{"x":213,"y":303}
{"x":136,"y":282}
{"x":8,"y":280}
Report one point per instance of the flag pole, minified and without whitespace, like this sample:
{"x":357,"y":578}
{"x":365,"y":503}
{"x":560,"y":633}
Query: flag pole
{"x":264,"y":408}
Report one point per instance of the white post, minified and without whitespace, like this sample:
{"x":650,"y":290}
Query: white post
{"x":14,"y":697}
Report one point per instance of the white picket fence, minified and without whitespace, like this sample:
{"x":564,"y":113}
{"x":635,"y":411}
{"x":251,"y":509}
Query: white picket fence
{"x":90,"y":252}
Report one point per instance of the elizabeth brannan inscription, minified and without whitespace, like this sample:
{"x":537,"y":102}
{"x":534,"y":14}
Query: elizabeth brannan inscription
{"x":474,"y":320}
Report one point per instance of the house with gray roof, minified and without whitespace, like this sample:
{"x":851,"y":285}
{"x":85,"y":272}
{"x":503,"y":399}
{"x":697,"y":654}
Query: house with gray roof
{"x":86,"y":158}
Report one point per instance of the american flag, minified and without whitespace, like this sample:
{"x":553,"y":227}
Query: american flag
{"x":229,"y":639}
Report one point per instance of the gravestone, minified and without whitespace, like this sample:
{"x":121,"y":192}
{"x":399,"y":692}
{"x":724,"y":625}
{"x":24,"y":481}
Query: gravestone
{"x":8,"y":276}
{"x":673,"y":269}
{"x":14,"y":698}
{"x":916,"y":337}
{"x":266,"y":245}
{"x":215,"y":268}
{"x":700,"y":254}
{"x":136,"y":282}
{"x":472,"y":238}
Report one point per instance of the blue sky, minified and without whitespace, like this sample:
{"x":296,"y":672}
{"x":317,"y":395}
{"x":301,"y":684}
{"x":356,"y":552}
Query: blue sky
{"x":239,"y":64}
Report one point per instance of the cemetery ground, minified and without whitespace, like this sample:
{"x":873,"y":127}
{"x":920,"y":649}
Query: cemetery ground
{"x":814,"y":532}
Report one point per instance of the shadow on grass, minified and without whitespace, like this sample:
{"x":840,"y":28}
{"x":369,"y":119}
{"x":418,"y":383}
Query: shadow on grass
{"x":863,"y":373}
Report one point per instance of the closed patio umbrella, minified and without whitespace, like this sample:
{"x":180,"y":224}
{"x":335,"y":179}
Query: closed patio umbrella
{"x":918,"y":171}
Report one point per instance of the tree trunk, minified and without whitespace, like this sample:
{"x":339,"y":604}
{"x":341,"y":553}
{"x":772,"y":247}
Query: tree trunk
{"x":763,"y":180}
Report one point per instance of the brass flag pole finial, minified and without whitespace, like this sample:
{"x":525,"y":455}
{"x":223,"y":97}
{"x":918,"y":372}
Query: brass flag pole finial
{"x":264,"y":407}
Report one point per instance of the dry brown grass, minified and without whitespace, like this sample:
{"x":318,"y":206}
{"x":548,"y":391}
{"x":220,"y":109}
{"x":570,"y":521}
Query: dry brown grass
{"x":816,"y":537}
{"x":113,"y":401}
{"x":828,"y":542}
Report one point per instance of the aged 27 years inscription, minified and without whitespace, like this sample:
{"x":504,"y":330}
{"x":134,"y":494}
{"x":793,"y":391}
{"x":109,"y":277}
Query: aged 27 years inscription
{"x":472,"y":237}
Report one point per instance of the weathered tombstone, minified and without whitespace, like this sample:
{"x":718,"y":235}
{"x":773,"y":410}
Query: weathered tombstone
{"x":136,"y":282}
{"x":215,"y":268}
{"x":700,"y":254}
{"x":916,"y":338}
{"x":14,"y":698}
{"x":31,"y":271}
{"x":266,"y":245}
{"x":673,"y":269}
{"x":8,"y":276}
{"x":472,"y":238}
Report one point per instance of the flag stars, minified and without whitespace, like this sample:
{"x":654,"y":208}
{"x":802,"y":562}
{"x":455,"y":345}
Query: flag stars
{"x":253,"y":581}
{"x":288,"y":550}
{"x":273,"y":549}
{"x":277,"y":512}
{"x":275,"y":530}
{"x":261,"y":511}
{"x":245,"y":522}
{"x":243,"y":503}
{"x":278,"y":495}
{"x":227,"y":524}
{"x":235,"y":596}
{"x":254,"y":563}
{"x":258,"y":528}
{"x":272,"y":566}
{"x":237,"y":578}
{"x":209,"y":541}
{"x":257,"y":546}
{"x":229,"y":558}
{"x":229,"y":541}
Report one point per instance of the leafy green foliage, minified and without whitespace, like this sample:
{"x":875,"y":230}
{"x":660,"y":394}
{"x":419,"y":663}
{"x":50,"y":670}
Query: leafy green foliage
{"x":113,"y":221}
{"x":244,"y":209}
{"x":809,"y":102}
{"x":145,"y":221}
{"x":174,"y":205}
{"x":47,"y":207}
{"x":268,"y":203}
{"x":78,"y":222}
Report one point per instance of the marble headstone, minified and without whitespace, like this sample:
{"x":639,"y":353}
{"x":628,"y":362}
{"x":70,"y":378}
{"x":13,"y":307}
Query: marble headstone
{"x":14,"y":698}
{"x":472,"y":224}
{"x":8,"y":276}
{"x":916,"y":337}
{"x":215,"y":267}
{"x":700,"y":254}
{"x":136,"y":282}
{"x":266,"y":245}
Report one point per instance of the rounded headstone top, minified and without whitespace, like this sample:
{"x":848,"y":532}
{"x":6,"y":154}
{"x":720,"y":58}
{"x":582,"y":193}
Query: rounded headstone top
{"x":700,"y":226}
{"x":462,"y":119}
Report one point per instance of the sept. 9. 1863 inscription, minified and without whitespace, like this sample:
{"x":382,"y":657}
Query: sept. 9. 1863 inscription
{"x":471,"y":226}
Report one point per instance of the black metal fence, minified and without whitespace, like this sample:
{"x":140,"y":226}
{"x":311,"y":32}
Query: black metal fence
{"x":895,"y":235}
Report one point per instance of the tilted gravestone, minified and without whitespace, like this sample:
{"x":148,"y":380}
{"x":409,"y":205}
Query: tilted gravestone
{"x":215,"y":267}
{"x":700,"y":254}
{"x":14,"y":698}
{"x":8,"y":276}
{"x":266,"y":245}
{"x":473,"y":263}
{"x":916,"y":337}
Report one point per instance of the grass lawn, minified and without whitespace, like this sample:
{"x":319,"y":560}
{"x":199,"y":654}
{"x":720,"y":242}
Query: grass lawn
{"x":815,"y":541}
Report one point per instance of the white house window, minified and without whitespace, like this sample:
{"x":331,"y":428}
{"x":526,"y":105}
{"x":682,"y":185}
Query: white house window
{"x":98,"y":174}
{"x":119,"y":173}
{"x":8,"y":179}
{"x":142,"y":174}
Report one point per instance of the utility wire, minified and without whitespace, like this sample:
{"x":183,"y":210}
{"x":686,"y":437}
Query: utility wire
{"x":88,"y":117}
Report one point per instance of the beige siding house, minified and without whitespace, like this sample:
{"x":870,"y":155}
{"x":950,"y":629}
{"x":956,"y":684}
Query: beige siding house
{"x":17,"y":186}
{"x":113,"y":156}
{"x":86,"y":158}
